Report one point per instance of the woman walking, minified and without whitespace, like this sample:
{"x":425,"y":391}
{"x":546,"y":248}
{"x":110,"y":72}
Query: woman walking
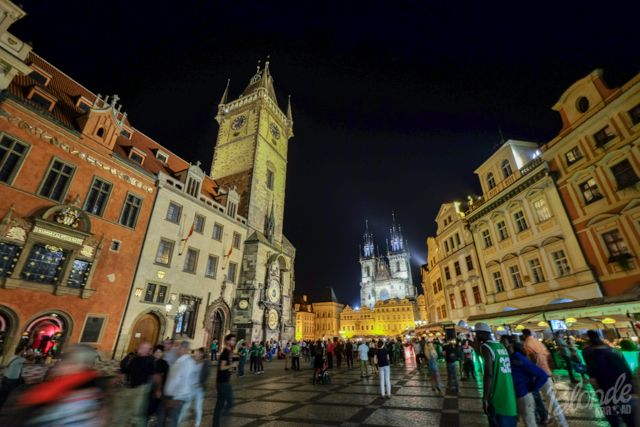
{"x":385,"y":372}
{"x":318,"y":361}
{"x":432,"y":363}
{"x":372,"y":361}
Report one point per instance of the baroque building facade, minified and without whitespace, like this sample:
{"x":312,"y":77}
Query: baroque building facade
{"x":388,"y":318}
{"x":305,"y":319}
{"x":251,"y":159}
{"x":387,"y":277}
{"x":327,"y":311}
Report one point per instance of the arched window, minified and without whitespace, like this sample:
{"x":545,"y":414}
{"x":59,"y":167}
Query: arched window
{"x":491,"y":181}
{"x":100,"y":133}
{"x":506,"y":168}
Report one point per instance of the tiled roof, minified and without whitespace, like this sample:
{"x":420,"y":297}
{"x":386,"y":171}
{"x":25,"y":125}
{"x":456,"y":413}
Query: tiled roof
{"x":68,"y":91}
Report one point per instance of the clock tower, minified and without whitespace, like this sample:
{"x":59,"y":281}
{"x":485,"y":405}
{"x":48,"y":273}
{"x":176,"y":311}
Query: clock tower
{"x":251,"y":157}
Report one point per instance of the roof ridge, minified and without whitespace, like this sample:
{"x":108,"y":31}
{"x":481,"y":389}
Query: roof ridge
{"x":62,"y":72}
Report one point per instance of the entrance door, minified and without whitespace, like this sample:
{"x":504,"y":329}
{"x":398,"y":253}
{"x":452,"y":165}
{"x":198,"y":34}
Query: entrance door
{"x":146,"y":329}
{"x":218,"y":328}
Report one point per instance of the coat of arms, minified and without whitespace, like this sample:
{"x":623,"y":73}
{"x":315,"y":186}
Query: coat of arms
{"x":69,"y":217}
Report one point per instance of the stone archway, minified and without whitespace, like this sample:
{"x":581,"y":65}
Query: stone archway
{"x":9,"y":326}
{"x":52,"y":319}
{"x":125,"y":341}
{"x":217,"y":322}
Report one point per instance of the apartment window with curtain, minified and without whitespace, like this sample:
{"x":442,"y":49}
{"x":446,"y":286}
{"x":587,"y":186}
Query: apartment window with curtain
{"x":452,"y":299}
{"x":514,"y":271}
{"x":615,"y":243}
{"x":521,"y":222}
{"x":463,"y":297}
{"x":542,"y":210}
{"x":536,"y":270}
{"x":497,"y":280}
{"x":502,"y":230}
{"x":561,"y":262}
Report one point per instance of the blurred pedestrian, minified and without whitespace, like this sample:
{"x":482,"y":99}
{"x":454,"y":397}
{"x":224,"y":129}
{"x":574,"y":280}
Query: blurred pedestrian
{"x":260,"y":358}
{"x":469,"y":368}
{"x":348,"y":352}
{"x":451,"y":356}
{"x":330,"y":353}
{"x":198,"y":381}
{"x":12,"y":375}
{"x":565,"y":353}
{"x":295,"y":356}
{"x":385,"y":378}
{"x":339,"y":350}
{"x":242,"y":359}
{"x":253,"y":356}
{"x":287,"y":354}
{"x":170,"y":352}
{"x":223,"y":384}
{"x":214,"y":350}
{"x":432,"y":363}
{"x":177,"y":388}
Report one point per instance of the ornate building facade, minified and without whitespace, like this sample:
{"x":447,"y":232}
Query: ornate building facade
{"x":251,"y":159}
{"x":327,"y":311}
{"x":305,"y":319}
{"x":388,"y":318}
{"x":387,"y":277}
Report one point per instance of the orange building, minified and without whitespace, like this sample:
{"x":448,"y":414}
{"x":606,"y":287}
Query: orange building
{"x":597,"y":162}
{"x":77,"y":187}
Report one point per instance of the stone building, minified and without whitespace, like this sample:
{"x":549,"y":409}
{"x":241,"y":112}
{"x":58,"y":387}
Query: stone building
{"x":327,"y":311}
{"x":597,"y":162}
{"x":251,"y":158}
{"x":190,"y":261}
{"x":305,"y":319}
{"x":457,"y":260}
{"x":526,"y":245}
{"x":432,"y":285}
{"x":388,"y":318}
{"x":385,"y":277}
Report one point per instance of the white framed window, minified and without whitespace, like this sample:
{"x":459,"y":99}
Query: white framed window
{"x":516,"y":278}
{"x":542,"y":210}
{"x":198,"y":224}
{"x":486,"y":237}
{"x":506,"y":168}
{"x":521,"y":222}
{"x":497,"y":280}
{"x":561,"y":262}
{"x":491,"y":181}
{"x":536,"y":270}
{"x":212,"y":264}
{"x":502,"y":230}
{"x":217,"y":232}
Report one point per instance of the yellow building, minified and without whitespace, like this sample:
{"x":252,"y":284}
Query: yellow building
{"x":327,"y":315}
{"x":305,"y":319}
{"x":388,"y":318}
{"x":358,"y":321}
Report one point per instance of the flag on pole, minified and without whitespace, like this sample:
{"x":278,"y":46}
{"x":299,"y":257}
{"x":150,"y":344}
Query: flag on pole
{"x":184,"y":241}
{"x":228,"y":255}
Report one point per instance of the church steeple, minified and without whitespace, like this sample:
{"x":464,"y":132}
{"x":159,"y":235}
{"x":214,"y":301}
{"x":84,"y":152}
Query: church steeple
{"x":397,"y":242}
{"x":368,"y":242}
{"x":289,"y":116}
{"x":261,"y":80}
{"x":225,"y":95}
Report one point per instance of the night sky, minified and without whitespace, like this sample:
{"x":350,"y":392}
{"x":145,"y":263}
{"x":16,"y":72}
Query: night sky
{"x":395,"y":104}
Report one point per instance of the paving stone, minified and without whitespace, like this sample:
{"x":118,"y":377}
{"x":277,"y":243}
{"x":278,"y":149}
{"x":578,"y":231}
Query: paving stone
{"x":320,"y":413}
{"x":403,"y":418}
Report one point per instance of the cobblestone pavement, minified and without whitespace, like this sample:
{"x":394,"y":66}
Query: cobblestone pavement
{"x":287,"y":398}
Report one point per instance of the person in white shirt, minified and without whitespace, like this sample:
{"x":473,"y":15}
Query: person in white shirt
{"x":177,"y":388}
{"x":363,"y":349}
{"x":198,"y":384}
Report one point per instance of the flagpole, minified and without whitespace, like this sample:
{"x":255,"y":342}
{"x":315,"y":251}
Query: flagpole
{"x":182,"y":235}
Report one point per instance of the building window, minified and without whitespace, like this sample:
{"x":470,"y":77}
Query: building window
{"x":38,"y":77}
{"x":624,"y":174}
{"x":174,"y":212}
{"x":92,"y":332}
{"x":590,"y":191}
{"x":7,"y":254}
{"x":487,"y":238}
{"x":491,"y":181}
{"x":542,"y":210}
{"x":463,"y":297}
{"x":126,"y":133}
{"x":44,"y":264}
{"x":368,"y":271}
{"x":446,"y":246}
{"x":212,"y":263}
{"x":582,"y":105}
{"x":573,"y":155}
{"x":443,"y":309}
{"x":165,"y":251}
{"x":231,"y":276}
{"x":536,"y":270}
{"x":502,"y":230}
{"x":41,"y":101}
{"x":136,"y":157}
{"x":476,"y":295}
{"x":506,"y":168}
{"x":186,"y":323}
{"x":439,"y":284}
{"x":198,"y":224}
{"x":12,"y":154}
{"x":603,"y":136}
{"x":162,"y":157}
{"x":521,"y":222}
{"x":217,"y":232}
{"x":100,"y":132}
{"x":514,"y":271}
{"x":497,"y":279}
{"x":236,"y":240}
{"x":193,"y":187}
{"x":469,"y":263}
{"x":435,"y":289}
{"x":115,"y":245}
{"x":57,"y":180}
{"x":634,"y":113}
{"x":457,"y":239}
{"x":191,"y":260}
{"x":79,"y":273}
{"x":447,"y":274}
{"x":270,"y":176}
{"x":231,"y":210}
{"x":130,"y":211}
{"x":456,"y":265}
{"x":98,"y":195}
{"x":562,"y":264}
{"x":615,"y":244}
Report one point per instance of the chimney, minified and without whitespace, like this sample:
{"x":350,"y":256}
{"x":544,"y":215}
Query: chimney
{"x":304,"y":297}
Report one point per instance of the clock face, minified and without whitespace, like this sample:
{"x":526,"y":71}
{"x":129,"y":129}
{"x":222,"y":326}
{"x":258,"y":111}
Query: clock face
{"x":275,"y":131}
{"x":238,"y":122}
{"x":274,"y":291}
{"x":243,"y":304}
{"x":272,"y":320}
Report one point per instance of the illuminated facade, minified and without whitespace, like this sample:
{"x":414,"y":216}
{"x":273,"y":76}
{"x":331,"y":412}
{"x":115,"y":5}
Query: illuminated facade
{"x":327,"y":312}
{"x":305,"y":319}
{"x":433,"y":286}
{"x":387,"y":277}
{"x":388,"y":318}
{"x":524,"y":238}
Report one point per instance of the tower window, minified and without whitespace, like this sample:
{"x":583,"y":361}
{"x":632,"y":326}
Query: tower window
{"x":100,"y":132}
{"x":491,"y":181}
{"x":397,"y":265}
{"x":270,"y":179}
{"x":506,"y":168}
{"x":231,"y":209}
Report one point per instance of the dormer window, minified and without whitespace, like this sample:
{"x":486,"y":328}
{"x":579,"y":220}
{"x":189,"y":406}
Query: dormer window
{"x":193,"y":187}
{"x":231,"y":209}
{"x":506,"y":168}
{"x":603,"y":136}
{"x":162,"y":156}
{"x":84,"y":106}
{"x":46,"y":102}
{"x":39,"y":75}
{"x":634,"y":113}
{"x":491,"y":181}
{"x":136,"y":156}
{"x":126,"y":133}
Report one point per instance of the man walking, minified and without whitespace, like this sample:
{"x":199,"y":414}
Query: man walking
{"x":339,"y":351}
{"x":499,"y":397}
{"x":451,"y":356}
{"x":565,"y":354}
{"x":363,"y":349}
{"x":295,"y":356}
{"x":348,"y":351}
{"x":177,"y":388}
{"x":223,"y":386}
{"x":11,"y":377}
{"x":253,"y":355}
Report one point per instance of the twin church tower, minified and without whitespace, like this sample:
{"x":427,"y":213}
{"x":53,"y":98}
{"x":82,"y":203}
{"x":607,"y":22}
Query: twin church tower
{"x":385,"y":277}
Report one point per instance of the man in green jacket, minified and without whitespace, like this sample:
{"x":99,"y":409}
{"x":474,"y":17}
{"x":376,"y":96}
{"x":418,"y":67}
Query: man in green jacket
{"x":253,"y":354}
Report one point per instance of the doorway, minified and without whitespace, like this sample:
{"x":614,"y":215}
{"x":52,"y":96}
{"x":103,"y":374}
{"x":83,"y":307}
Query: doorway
{"x":218,"y":327}
{"x":45,"y":335}
{"x":145,"y":329}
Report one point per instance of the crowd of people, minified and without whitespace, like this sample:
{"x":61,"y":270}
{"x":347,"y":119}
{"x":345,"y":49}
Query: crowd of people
{"x":158,"y":385}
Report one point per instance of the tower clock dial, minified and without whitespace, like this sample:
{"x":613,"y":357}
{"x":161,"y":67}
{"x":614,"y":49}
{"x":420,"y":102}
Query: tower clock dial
{"x":272,"y":320}
{"x":274,"y":291}
{"x":238,"y":122}
{"x":244,"y":304}
{"x":275,"y":131}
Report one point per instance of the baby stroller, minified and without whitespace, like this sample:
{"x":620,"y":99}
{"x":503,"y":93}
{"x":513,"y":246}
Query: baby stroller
{"x":322,"y":377}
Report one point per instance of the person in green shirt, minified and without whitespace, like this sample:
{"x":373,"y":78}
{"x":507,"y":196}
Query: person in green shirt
{"x":499,"y":397}
{"x":242,"y":358}
{"x":295,"y":356}
{"x":214,"y":350}
{"x":253,"y":353}
{"x":259,"y":356}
